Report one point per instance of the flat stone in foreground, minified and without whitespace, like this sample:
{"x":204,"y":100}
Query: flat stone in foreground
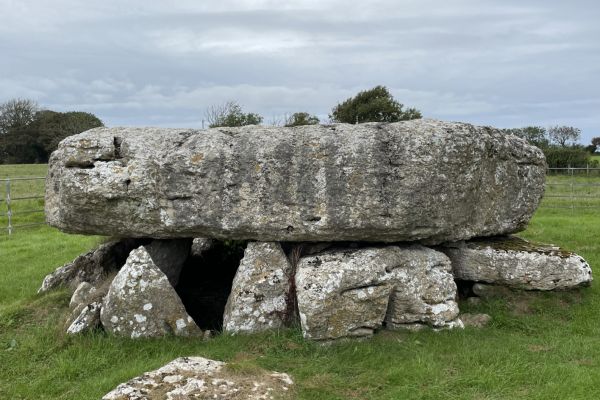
{"x":414,"y":180}
{"x":517,"y":263}
{"x":201,"y":378}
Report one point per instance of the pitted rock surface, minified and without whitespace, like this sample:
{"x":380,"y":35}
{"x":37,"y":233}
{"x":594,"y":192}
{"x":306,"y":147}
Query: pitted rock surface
{"x":91,"y":267}
{"x":518,"y":263}
{"x":201,"y":378}
{"x":351,"y":292}
{"x":142,"y":303}
{"x":424,"y":290}
{"x":258,"y":298}
{"x":414,"y":180}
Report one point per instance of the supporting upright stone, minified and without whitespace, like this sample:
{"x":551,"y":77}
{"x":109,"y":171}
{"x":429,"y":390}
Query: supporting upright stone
{"x":91,"y":267}
{"x":351,"y":292}
{"x":260,"y":290}
{"x":517,"y":263}
{"x":424,"y":291}
{"x":142,"y":303}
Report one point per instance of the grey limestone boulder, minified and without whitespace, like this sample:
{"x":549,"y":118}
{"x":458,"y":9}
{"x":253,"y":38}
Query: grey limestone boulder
{"x":87,"y":319}
{"x":259,"y":295}
{"x":142,"y":303}
{"x":424,"y":291}
{"x":201,"y":246}
{"x":202,"y":378}
{"x":81,"y":294}
{"x":352,"y":292}
{"x":91,"y":267}
{"x":425,"y":180}
{"x":517,"y":263}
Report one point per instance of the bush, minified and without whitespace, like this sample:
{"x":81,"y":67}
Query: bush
{"x":564,"y":157}
{"x":230,"y":114}
{"x":373,"y":105}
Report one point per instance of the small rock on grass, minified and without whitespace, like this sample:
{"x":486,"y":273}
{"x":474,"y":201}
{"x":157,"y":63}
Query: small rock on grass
{"x":475,"y":320}
{"x":87,"y":320}
{"x":83,"y":292}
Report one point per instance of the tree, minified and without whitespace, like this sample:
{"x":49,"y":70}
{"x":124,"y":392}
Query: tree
{"x":301,"y":118}
{"x":596,"y":143}
{"x":52,"y":126}
{"x":535,"y":135}
{"x":15,"y":115}
{"x":564,"y":135}
{"x":373,"y":105}
{"x":35,"y":141}
{"x":230,"y":114}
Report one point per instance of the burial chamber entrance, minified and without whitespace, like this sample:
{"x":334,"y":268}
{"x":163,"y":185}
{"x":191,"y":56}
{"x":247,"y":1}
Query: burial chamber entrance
{"x":205,"y":282}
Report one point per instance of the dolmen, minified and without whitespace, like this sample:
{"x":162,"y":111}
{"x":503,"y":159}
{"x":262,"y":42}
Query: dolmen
{"x":342,"y":229}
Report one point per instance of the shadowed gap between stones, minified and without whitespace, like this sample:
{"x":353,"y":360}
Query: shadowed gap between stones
{"x":205,"y":282}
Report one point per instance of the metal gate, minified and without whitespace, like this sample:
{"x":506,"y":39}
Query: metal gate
{"x":12,"y":213}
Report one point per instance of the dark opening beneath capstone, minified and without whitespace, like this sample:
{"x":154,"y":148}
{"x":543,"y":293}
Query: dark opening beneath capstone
{"x":205,"y":282}
{"x":464,"y":288}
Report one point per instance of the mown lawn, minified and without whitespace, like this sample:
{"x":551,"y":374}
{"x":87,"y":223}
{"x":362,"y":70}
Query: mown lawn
{"x":539,"y":346}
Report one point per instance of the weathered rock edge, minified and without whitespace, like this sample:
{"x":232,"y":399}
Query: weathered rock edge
{"x":423,"y":180}
{"x":518,"y":263}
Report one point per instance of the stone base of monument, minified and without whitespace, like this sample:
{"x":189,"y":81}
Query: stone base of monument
{"x":332,"y":290}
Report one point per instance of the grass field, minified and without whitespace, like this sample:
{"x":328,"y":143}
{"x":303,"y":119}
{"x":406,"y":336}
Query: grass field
{"x":539,"y":345}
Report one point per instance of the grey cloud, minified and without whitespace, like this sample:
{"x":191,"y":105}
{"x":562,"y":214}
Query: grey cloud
{"x":504,"y":64}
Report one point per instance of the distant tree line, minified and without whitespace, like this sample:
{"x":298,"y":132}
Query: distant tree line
{"x":29,"y":134}
{"x":559,"y":144}
{"x":373,"y":105}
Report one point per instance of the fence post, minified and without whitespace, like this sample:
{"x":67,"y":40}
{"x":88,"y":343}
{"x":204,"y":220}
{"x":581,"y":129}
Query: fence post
{"x":572,"y":196}
{"x":8,"y":207}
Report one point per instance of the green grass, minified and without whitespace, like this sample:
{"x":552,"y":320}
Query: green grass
{"x":539,"y":345}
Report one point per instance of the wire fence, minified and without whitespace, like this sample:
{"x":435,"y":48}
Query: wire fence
{"x":572,"y":188}
{"x":22,"y":198}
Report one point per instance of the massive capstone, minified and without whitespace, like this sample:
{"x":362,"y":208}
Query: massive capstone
{"x":422,"y":180}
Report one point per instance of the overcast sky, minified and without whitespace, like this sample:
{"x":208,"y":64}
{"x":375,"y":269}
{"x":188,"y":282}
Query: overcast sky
{"x":504,"y":63}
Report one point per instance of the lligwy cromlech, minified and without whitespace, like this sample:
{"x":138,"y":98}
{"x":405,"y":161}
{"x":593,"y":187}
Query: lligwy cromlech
{"x":343,"y":230}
